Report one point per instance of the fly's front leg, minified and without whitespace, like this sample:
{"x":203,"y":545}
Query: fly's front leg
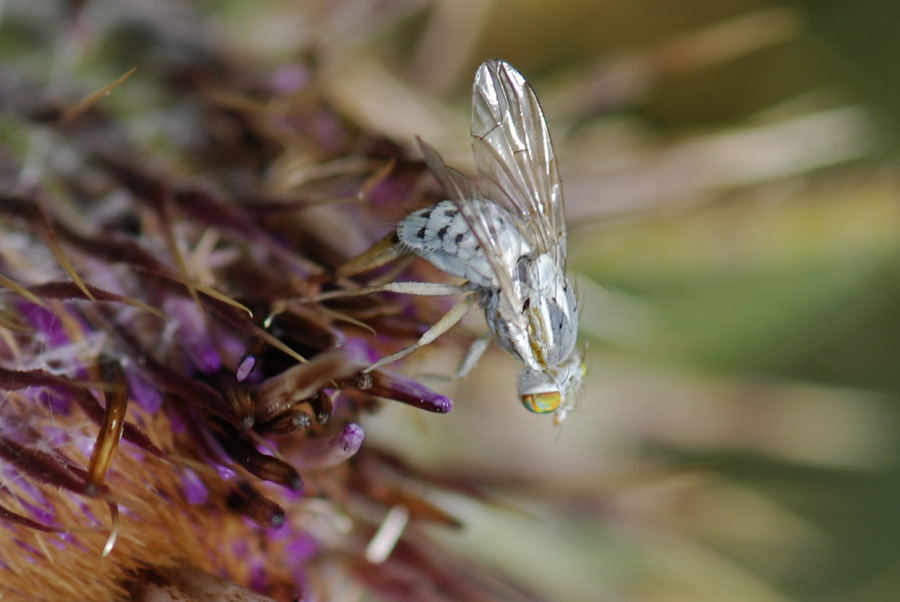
{"x":450,"y":319}
{"x":474,"y":354}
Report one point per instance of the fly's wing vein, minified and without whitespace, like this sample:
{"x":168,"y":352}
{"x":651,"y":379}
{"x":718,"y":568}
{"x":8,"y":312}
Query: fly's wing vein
{"x":515,"y":157}
{"x":463,"y":191}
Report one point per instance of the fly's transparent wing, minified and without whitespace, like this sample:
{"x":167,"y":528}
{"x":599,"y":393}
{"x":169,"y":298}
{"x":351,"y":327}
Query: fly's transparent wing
{"x":463,"y":191}
{"x":515,"y":156}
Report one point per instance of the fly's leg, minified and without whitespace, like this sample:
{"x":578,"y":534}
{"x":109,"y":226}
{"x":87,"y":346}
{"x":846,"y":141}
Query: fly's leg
{"x":473,"y":355}
{"x":450,"y":319}
{"x":399,"y":267}
{"x":384,"y":251}
{"x":421,"y":289}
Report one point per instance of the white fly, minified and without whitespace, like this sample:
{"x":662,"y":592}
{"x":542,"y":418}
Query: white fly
{"x":506,"y":237}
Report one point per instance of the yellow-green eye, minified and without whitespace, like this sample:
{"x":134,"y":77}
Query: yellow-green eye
{"x":542,"y":403}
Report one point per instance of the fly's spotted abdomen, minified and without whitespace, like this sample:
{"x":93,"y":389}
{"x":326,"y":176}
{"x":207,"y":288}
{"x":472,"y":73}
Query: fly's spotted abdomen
{"x":441,"y":235}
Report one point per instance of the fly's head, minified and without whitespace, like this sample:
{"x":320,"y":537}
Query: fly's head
{"x":552,"y":390}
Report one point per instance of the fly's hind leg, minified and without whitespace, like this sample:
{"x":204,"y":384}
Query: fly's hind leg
{"x":448,"y":321}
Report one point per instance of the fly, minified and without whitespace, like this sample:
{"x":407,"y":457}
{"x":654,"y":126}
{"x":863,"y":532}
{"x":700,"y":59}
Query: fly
{"x":506,"y":236}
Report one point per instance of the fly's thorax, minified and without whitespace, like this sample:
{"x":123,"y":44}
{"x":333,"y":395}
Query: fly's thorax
{"x":550,"y":309}
{"x":549,"y":330}
{"x":508,"y":336}
{"x":553,"y":389}
{"x":441,"y":235}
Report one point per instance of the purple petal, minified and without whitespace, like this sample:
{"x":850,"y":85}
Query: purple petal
{"x":142,"y":391}
{"x":329,"y":451}
{"x":360,"y":351}
{"x":194,"y":489}
{"x":405,"y":390}
{"x":193,"y":335}
{"x":245,"y":367}
{"x":46,"y":322}
{"x":301,"y":547}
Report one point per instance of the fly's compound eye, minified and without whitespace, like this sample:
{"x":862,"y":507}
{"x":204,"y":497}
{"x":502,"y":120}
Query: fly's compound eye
{"x":542,"y":403}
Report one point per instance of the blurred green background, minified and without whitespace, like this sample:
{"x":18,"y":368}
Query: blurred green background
{"x":731,"y":182}
{"x":731,"y":185}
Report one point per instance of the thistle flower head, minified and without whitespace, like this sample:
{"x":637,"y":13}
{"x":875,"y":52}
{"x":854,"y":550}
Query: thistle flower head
{"x":170,"y":402}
